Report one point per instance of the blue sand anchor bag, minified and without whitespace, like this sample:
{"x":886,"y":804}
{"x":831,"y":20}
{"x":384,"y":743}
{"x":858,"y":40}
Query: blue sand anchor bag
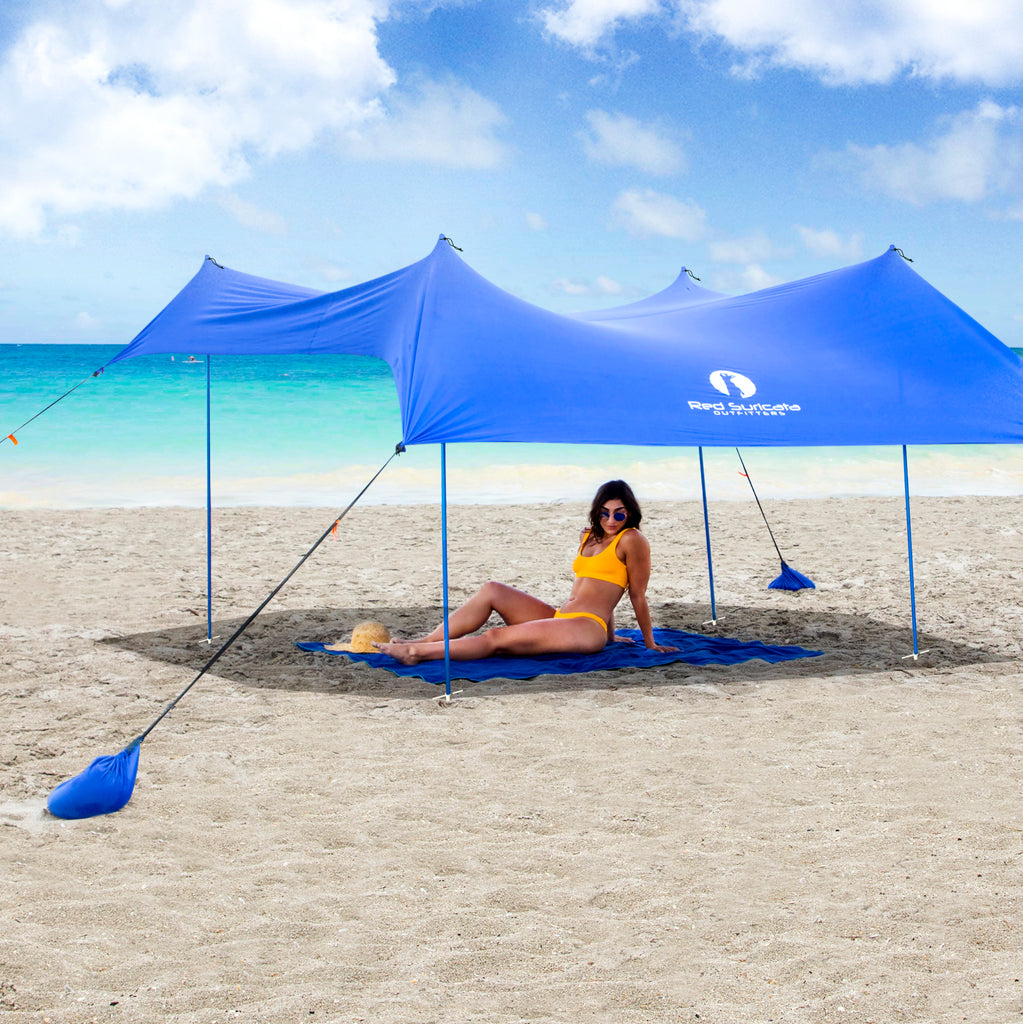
{"x":791,"y":579}
{"x":104,"y":787}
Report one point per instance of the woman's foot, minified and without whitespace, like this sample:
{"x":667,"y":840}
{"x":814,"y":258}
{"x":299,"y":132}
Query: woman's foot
{"x":404,"y":652}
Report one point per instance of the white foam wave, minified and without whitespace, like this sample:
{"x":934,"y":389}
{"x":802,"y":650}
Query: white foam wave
{"x":414,"y":478}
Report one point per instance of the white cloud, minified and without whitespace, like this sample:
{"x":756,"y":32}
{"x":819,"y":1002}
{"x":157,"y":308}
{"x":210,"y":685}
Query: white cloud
{"x":623,"y":141}
{"x":584,"y":23}
{"x":644,"y":212}
{"x":444,"y":123}
{"x":535,"y":221}
{"x":751,"y":249}
{"x":852,"y":41}
{"x":842,"y":41}
{"x":603,"y":286}
{"x":332,"y":274}
{"x":608,"y":286}
{"x":979,"y":155}
{"x":569,"y":287}
{"x":826,"y":243}
{"x":249,"y":215}
{"x":86,"y":322}
{"x":134,"y":105}
{"x":749,"y":279}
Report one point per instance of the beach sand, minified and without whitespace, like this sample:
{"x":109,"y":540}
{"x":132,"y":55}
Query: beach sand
{"x":832,"y":839}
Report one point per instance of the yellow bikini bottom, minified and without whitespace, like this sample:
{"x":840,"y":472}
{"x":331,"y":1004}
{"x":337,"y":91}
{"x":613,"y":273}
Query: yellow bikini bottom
{"x":559,"y":614}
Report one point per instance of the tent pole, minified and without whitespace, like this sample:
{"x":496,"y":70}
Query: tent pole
{"x":444,"y":563}
{"x":909,"y":538}
{"x":706,"y":530}
{"x":209,"y":515}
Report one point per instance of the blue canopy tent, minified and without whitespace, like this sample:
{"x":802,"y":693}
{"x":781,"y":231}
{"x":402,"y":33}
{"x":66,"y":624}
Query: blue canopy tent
{"x":867,"y":355}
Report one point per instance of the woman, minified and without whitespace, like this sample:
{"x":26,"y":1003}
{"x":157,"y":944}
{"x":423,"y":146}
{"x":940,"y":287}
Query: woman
{"x":613,"y":557}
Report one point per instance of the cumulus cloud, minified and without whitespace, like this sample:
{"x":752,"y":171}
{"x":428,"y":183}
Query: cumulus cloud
{"x":248,"y":215}
{"x":825,"y":243}
{"x":535,"y":221}
{"x":749,"y":279}
{"x":567,"y":286}
{"x":602,"y":286}
{"x":608,"y":286}
{"x":751,"y":249}
{"x":585,"y":23}
{"x":625,"y":142}
{"x":133,"y":105}
{"x":644,"y":213}
{"x":849,"y":41}
{"x":117,"y":104}
{"x":335,"y":276}
{"x":844,"y":41}
{"x":978,"y":156}
{"x":86,"y":322}
{"x":442,"y":123}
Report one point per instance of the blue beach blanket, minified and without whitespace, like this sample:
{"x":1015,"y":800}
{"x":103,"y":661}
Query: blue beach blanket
{"x":693,"y":648}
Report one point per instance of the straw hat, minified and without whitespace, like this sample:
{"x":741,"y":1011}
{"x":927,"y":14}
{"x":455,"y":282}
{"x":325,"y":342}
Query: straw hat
{"x":362,"y":638}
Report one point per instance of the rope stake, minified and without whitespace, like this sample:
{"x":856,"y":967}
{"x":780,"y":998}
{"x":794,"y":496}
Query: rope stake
{"x":17,"y":430}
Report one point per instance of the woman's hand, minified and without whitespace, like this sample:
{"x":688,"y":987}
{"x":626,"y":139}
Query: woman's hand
{"x":660,"y":648}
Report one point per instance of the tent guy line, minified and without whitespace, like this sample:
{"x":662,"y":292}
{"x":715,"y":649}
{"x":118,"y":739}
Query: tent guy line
{"x":866,"y":355}
{"x":106,"y":785}
{"x":11,"y":436}
{"x":870,"y":354}
{"x":473,"y":363}
{"x":789,"y":579}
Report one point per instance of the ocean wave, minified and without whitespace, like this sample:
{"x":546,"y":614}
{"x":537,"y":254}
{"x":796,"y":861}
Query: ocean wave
{"x":414,"y":478}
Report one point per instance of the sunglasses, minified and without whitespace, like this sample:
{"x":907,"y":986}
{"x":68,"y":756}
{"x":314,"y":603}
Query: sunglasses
{"x":619,"y":515}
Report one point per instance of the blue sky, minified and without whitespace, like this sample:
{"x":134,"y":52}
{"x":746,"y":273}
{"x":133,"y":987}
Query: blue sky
{"x":579,"y":152}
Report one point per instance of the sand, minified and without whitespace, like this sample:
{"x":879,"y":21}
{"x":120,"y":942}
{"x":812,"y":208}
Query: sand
{"x":834,"y":839}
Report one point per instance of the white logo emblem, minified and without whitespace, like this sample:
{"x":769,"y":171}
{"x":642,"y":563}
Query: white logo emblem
{"x":720,"y":380}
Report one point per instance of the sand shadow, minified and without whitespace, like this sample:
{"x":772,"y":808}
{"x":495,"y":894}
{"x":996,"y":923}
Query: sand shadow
{"x":265,"y":656}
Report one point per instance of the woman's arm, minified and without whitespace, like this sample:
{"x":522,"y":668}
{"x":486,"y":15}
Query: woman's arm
{"x":637,"y":561}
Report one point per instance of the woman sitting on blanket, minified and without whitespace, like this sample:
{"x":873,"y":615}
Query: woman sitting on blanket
{"x":613,"y":557}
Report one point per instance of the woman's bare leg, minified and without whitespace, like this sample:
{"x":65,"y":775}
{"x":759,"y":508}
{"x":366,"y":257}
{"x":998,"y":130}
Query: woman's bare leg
{"x":514,"y":606}
{"x":539,"y":636}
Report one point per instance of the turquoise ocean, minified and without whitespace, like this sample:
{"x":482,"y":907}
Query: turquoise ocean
{"x":312,"y":430}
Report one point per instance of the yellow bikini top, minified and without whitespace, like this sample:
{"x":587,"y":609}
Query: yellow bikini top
{"x":605,"y":565}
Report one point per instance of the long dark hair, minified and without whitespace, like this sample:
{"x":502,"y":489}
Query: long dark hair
{"x":623,"y":492}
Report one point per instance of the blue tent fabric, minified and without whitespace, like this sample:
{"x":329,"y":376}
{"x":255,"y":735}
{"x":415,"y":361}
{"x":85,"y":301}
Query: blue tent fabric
{"x":104,"y":787}
{"x":694,"y":649}
{"x":869,"y":354}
